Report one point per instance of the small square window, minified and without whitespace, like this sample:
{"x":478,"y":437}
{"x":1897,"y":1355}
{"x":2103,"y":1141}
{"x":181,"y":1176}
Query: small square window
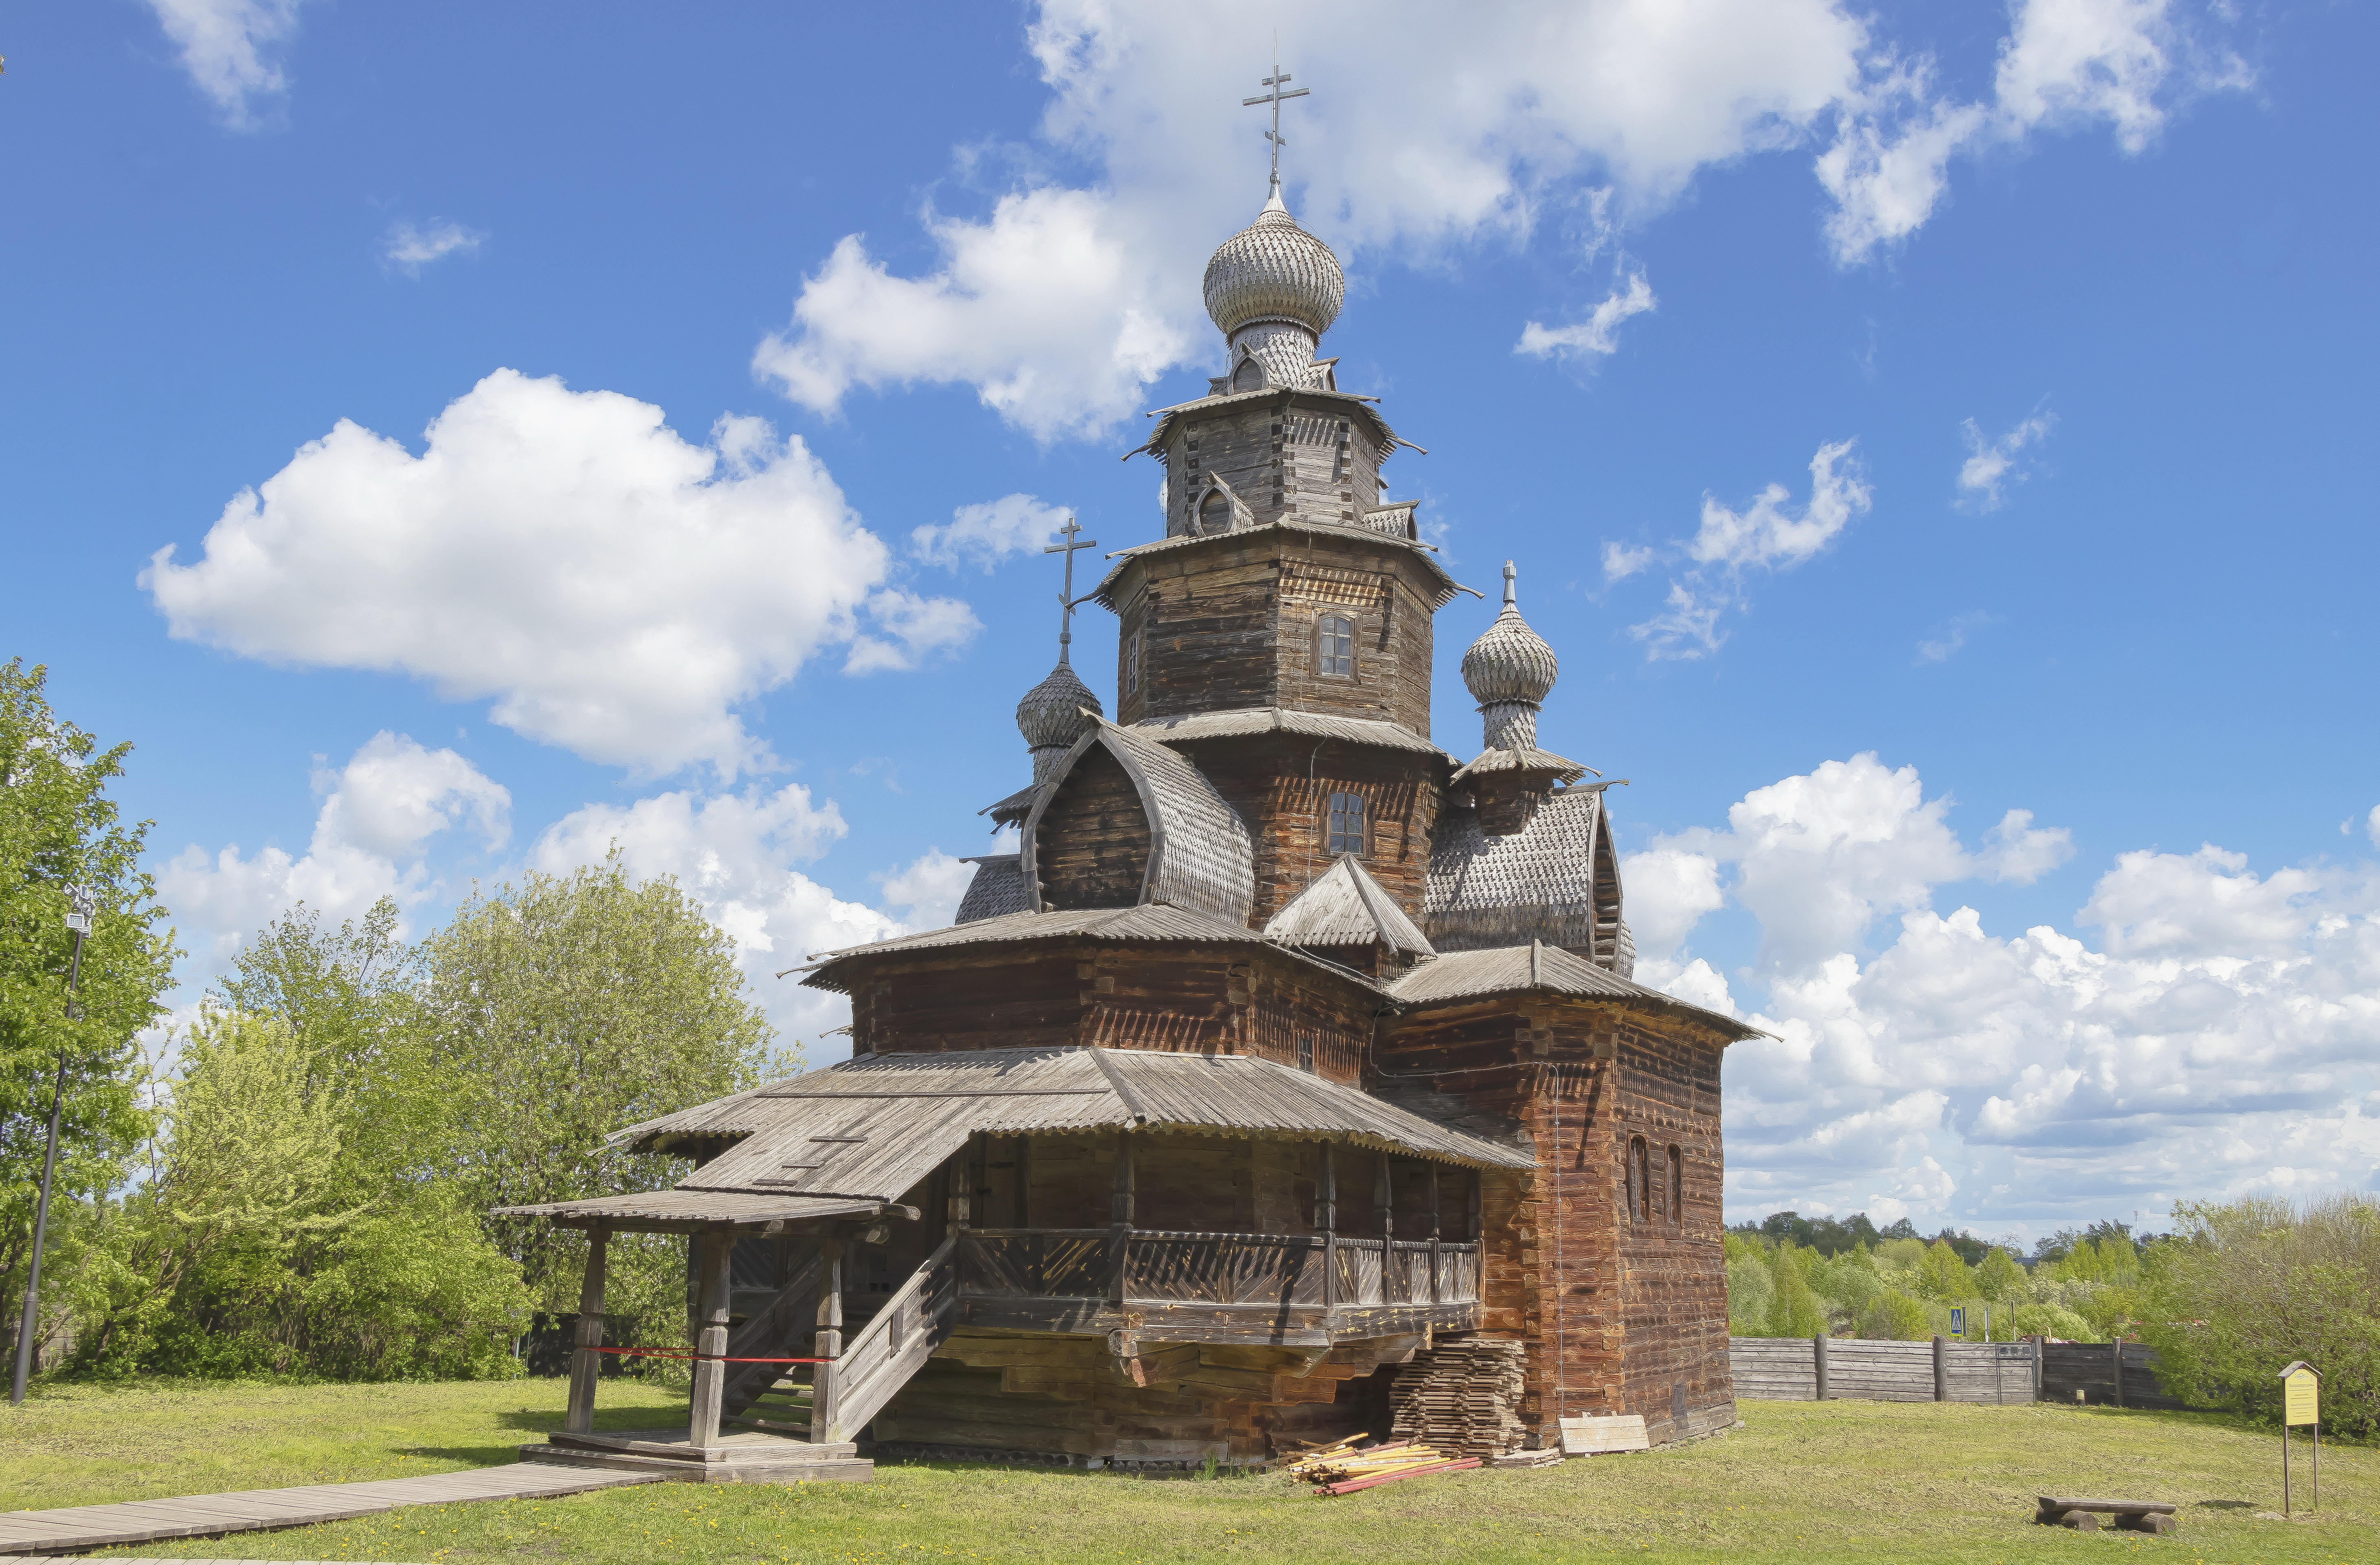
{"x":1344,"y":831}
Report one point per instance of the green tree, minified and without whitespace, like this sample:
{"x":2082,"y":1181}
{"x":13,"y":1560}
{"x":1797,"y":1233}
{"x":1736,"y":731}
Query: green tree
{"x":265,"y":1240}
{"x":59,"y":827}
{"x":1942,"y":1274}
{"x":1795,"y":1308}
{"x":1999,"y":1277}
{"x":569,"y":1008}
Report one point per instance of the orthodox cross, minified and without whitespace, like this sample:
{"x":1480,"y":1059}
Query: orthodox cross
{"x":1274,"y":98}
{"x":1066,"y":599}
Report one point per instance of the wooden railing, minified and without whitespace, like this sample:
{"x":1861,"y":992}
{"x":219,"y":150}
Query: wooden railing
{"x":1166,"y":1266}
{"x":881,"y":1355}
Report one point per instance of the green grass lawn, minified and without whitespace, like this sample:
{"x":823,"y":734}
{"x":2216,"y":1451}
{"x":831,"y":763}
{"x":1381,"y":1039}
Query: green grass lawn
{"x":1800,"y":1481}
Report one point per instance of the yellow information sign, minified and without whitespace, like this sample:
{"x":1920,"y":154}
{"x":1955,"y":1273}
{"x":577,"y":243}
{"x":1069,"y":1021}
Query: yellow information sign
{"x":2302,"y":1396}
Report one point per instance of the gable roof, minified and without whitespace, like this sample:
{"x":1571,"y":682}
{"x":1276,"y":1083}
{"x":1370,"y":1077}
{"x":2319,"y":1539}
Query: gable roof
{"x":1155,"y":923}
{"x":1343,"y":906}
{"x":1200,"y":857}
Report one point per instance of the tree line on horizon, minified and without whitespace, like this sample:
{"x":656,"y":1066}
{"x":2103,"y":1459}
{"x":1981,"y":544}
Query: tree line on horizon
{"x":298,"y":1180}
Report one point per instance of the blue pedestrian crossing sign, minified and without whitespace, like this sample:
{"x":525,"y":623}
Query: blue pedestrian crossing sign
{"x":1959,"y":1322}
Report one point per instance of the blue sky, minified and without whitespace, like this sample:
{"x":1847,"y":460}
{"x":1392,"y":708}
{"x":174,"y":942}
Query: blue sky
{"x":1901,"y":418}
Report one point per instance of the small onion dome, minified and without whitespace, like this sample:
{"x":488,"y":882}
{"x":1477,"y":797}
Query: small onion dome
{"x":1052,"y":712}
{"x":1511,"y":662}
{"x":1272,"y":270}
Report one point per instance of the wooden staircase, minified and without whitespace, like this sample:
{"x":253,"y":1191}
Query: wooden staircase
{"x":880,"y":1358}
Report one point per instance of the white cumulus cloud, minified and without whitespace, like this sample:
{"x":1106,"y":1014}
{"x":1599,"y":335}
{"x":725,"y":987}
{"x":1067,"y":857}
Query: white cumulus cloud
{"x":984,"y":534}
{"x":615,"y":589}
{"x":737,"y":854}
{"x":1060,"y":302}
{"x":409,"y":247}
{"x":1993,"y":465}
{"x":927,"y":890}
{"x":1597,"y":333}
{"x":2065,"y":64}
{"x":1767,"y":535}
{"x":2220,"y":1038}
{"x":231,"y":49}
{"x":378,"y":816}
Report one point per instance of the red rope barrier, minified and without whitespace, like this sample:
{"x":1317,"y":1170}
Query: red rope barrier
{"x":702,"y":1358}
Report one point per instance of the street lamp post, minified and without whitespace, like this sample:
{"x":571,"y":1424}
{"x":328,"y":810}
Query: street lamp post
{"x":81,"y":903}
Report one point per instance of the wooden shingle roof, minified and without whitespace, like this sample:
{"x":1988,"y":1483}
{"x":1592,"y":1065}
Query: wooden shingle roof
{"x":1200,"y":855}
{"x":1344,"y":905}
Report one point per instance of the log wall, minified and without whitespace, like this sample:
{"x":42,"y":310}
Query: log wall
{"x":1624,"y":1311}
{"x":1282,"y":788}
{"x":1284,"y":455}
{"x":1230,"y":624}
{"x":1201,"y":1000}
{"x":1092,"y":849}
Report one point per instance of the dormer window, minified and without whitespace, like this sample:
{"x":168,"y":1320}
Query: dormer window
{"x":1214,"y":513}
{"x":1249,"y":376}
{"x":1345,"y":823}
{"x":1334,"y":646}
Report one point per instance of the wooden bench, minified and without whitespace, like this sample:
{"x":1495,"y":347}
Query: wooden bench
{"x":2083,"y":1516}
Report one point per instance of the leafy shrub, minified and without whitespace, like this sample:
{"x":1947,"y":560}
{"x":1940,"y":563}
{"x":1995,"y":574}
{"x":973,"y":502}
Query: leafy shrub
{"x":2244,"y":1289}
{"x":1895,"y":1317}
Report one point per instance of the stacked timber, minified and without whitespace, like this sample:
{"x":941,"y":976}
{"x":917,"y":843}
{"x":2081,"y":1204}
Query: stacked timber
{"x":1463,"y":1398}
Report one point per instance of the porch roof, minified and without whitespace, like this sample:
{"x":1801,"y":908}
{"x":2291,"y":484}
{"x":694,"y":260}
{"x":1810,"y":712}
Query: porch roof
{"x":668,"y":1210}
{"x":870,"y":1128}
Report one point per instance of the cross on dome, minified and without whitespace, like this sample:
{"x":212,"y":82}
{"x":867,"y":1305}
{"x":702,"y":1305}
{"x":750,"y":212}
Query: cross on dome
{"x":1274,"y":97}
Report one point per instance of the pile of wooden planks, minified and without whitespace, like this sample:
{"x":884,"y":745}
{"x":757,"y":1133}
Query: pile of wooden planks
{"x":1345,"y":1467}
{"x":1463,"y":1398}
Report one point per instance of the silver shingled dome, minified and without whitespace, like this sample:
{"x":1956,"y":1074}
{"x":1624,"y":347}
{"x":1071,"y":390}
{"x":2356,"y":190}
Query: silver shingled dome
{"x":1272,"y":270}
{"x":1052,"y":712}
{"x":1510,"y":661}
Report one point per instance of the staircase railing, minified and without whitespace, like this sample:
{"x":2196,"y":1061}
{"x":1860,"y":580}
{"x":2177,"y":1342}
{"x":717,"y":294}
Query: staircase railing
{"x":883,"y":1354}
{"x":779,"y":1325}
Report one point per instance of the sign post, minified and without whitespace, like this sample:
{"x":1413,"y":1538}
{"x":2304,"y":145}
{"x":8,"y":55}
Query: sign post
{"x":1958,"y":1321}
{"x":2301,"y":1403}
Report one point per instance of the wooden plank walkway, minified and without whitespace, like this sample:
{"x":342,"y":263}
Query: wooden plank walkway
{"x":189,"y":1516}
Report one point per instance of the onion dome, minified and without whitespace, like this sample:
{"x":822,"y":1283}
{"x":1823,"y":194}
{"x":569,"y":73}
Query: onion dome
{"x":1051,"y":716}
{"x":1508,"y":671}
{"x":1272,"y":270}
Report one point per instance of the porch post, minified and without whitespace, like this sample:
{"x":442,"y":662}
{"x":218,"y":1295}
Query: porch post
{"x":1435,"y":1290}
{"x":711,"y":1338}
{"x":825,"y":1378}
{"x":1384,"y":1198}
{"x":585,"y":1363}
{"x":1326,"y":1217}
{"x":1120,"y":1216}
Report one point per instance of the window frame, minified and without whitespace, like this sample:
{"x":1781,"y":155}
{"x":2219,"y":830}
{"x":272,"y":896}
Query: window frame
{"x":1640,"y":1180}
{"x":1677,"y":1193}
{"x":1335,"y":813}
{"x":1131,"y":664}
{"x":1325,"y":635}
{"x":1306,"y":1054}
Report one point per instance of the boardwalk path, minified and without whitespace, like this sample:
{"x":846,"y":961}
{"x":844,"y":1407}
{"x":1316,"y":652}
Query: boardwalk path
{"x":147,"y":1521}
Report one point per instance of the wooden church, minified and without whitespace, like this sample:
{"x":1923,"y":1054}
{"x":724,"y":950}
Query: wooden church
{"x":1288,"y":1076}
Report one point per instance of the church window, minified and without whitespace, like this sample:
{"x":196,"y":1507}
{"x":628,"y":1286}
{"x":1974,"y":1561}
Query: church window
{"x":1345,"y":824}
{"x":1249,"y":376}
{"x":1640,"y":1180}
{"x":1132,"y":663}
{"x":1306,"y":1054}
{"x":1677,"y":1187}
{"x":1334,"y":645}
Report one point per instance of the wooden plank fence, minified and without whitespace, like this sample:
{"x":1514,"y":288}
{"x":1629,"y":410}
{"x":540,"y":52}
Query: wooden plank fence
{"x":1810,"y":1369}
